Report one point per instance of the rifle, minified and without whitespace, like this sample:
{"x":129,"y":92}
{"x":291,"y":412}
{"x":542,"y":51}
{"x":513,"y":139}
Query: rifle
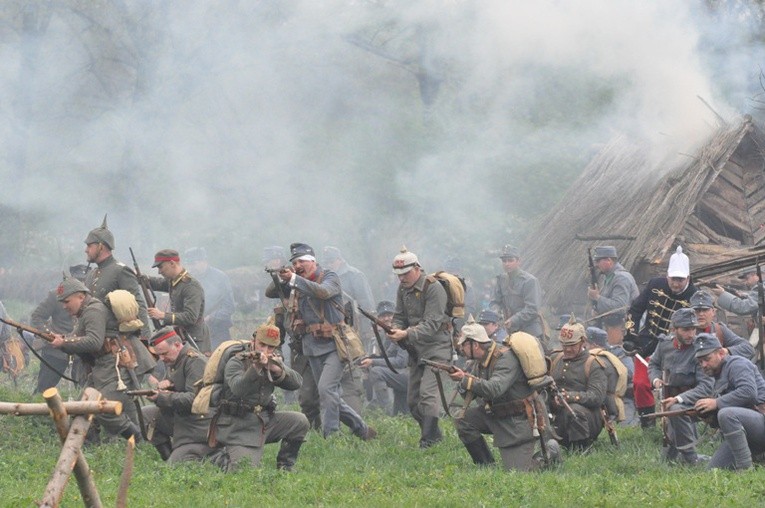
{"x":593,"y":274}
{"x":274,"y":273}
{"x":610,"y":427}
{"x":47,"y":336}
{"x":148,"y":292}
{"x":761,"y":305}
{"x":440,"y":366}
{"x":677,"y":412}
{"x":403,"y":343}
{"x":728,"y":289}
{"x":561,"y":398}
{"x":446,"y":368}
{"x":145,"y":392}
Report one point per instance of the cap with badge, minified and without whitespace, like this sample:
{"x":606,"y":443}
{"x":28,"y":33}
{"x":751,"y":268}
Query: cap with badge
{"x":79,"y":272}
{"x":404,"y":261}
{"x":166,"y":255}
{"x":702,"y":300}
{"x":301,"y":251}
{"x":605,"y":251}
{"x":488,"y":316}
{"x":102,"y":235}
{"x":509,"y":252}
{"x":68,"y":287}
{"x":684,"y":318}
{"x":268,"y":333}
{"x":705,"y":343}
{"x":572,"y":333}
{"x":473,"y":331}
{"x":386,"y":307}
{"x":597,"y":336}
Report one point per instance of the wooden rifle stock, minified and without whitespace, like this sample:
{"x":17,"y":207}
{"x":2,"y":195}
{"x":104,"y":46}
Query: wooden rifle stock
{"x":141,"y":393}
{"x":374,"y":319}
{"x":562,"y":398}
{"x":47,"y":336}
{"x":148,"y":293}
{"x":440,"y":366}
{"x":593,"y":273}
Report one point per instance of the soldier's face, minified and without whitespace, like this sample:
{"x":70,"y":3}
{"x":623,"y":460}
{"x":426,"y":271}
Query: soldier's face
{"x":572,"y":351}
{"x":510,"y":264}
{"x":677,"y":284}
{"x":261,"y":347}
{"x":73,"y":302}
{"x":409,"y":278}
{"x":685,"y":335}
{"x":751,"y":280}
{"x":304,"y":267}
{"x":168,"y":351}
{"x":711,"y":364}
{"x":386,"y":318}
{"x":604,"y":265}
{"x":168,"y":269}
{"x":705,"y":316}
{"x":92,"y":250}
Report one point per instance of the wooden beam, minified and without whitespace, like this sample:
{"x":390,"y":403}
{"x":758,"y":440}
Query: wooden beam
{"x":66,"y":461}
{"x":80,"y":407}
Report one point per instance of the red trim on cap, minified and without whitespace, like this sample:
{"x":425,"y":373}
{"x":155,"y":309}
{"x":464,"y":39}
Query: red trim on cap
{"x":163,"y":338}
{"x":163,"y":259}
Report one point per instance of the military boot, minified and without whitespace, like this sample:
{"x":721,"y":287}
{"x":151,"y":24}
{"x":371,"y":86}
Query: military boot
{"x":480,"y":453}
{"x":647,"y":420}
{"x":742,"y":455}
{"x":164,"y":449}
{"x":431,"y":433}
{"x":132,"y":430}
{"x":288,"y":453}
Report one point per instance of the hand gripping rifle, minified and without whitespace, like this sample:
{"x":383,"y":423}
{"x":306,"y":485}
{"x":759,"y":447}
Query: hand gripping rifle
{"x":148,"y":293}
{"x":561,"y":398}
{"x":448,"y":368}
{"x":376,"y":323}
{"x":46,"y":336}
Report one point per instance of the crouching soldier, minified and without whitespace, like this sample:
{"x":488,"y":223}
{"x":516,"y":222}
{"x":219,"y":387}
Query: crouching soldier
{"x":509,"y":409}
{"x":176,"y":433}
{"x":248,"y":418}
{"x":582,"y":384}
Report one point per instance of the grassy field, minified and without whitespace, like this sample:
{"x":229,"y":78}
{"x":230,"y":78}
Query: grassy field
{"x":390,"y":471}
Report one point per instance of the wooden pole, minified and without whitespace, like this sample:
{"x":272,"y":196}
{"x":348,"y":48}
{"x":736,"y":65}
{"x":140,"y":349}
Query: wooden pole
{"x":85,"y":481}
{"x":127,"y":473}
{"x":72,"y":408}
{"x":66,"y":461}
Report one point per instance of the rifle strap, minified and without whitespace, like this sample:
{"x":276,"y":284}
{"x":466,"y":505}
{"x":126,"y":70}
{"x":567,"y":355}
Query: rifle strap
{"x":440,"y":384}
{"x":44,"y":361}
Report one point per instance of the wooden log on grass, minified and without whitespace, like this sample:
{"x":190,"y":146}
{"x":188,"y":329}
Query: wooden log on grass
{"x":74,"y":408}
{"x":90,"y":496}
{"x":127,"y":473}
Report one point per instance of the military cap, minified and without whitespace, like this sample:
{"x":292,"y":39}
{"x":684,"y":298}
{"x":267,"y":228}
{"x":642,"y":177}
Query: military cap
{"x":509,"y":251}
{"x":166,"y":255}
{"x":684,"y":318}
{"x":404,"y":261}
{"x":68,"y":287}
{"x":473,"y":331}
{"x":195,"y":254}
{"x":386,"y":307}
{"x":273,"y":252}
{"x":605,"y":251}
{"x":101,"y":235}
{"x":572,"y":332}
{"x":746,"y":274}
{"x":702,"y":300}
{"x":161,"y":335}
{"x":597,"y":336}
{"x":331,"y":254}
{"x":563,"y":320}
{"x":79,"y":271}
{"x":268,"y":334}
{"x":301,"y":250}
{"x":705,"y":343}
{"x":488,"y":316}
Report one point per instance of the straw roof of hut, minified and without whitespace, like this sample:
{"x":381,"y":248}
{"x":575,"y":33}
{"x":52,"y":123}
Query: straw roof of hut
{"x":711,"y":203}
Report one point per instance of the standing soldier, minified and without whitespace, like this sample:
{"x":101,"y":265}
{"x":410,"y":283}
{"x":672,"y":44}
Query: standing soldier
{"x":248,"y":419}
{"x":315,"y":297}
{"x":187,"y":299}
{"x":738,"y":396}
{"x":219,"y":297}
{"x":178,"y":434}
{"x":96,"y":339}
{"x":581,"y":378}
{"x":509,"y":409}
{"x":380,"y":376}
{"x":743,"y":304}
{"x":702,"y":304}
{"x":50,"y":315}
{"x":614,"y":294}
{"x":110,"y":275}
{"x":421,"y":325}
{"x":356,"y":292}
{"x":517,"y":297}
{"x":661,"y":297}
{"x":673,"y":368}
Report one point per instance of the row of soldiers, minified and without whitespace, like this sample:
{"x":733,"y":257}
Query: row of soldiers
{"x":312,"y":302}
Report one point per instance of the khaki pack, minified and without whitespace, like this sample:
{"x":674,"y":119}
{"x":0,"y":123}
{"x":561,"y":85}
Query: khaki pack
{"x":211,"y":385}
{"x":529,"y":352}
{"x":621,"y":383}
{"x":455,"y":292}
{"x":125,"y":308}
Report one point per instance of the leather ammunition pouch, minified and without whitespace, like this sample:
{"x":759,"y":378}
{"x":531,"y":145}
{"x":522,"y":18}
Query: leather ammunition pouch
{"x":506,"y":409}
{"x":241,"y":409}
{"x":322,"y":330}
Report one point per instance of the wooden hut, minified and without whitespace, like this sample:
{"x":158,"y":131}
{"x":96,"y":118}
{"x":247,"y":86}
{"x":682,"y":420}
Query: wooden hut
{"x":710,"y":202}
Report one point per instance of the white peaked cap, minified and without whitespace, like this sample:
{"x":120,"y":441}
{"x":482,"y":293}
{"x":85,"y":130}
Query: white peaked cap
{"x":679,"y":264}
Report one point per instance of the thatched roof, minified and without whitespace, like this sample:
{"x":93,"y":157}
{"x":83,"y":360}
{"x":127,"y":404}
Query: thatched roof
{"x":708,"y":202}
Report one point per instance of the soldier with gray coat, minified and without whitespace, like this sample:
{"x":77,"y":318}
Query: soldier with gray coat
{"x":614,"y":294}
{"x":702,"y":304}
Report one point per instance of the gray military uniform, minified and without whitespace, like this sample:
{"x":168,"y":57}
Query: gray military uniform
{"x":248,"y":421}
{"x":517,"y":296}
{"x":187,"y":307}
{"x":381,"y":377}
{"x":219,"y":304}
{"x":683,"y":374}
{"x":51,"y":315}
{"x":95,"y":323}
{"x":171,"y":417}
{"x":736,"y":345}
{"x":617,"y":290}
{"x":500,"y":389}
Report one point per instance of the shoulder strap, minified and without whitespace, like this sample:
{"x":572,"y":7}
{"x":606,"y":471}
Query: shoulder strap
{"x":718,"y":331}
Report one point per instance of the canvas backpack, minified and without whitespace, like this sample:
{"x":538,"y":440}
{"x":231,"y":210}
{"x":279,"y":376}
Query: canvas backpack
{"x":529,"y":352}
{"x":210,"y":387}
{"x":455,"y":292}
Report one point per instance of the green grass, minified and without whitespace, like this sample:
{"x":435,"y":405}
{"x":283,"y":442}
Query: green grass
{"x":390,"y":471}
